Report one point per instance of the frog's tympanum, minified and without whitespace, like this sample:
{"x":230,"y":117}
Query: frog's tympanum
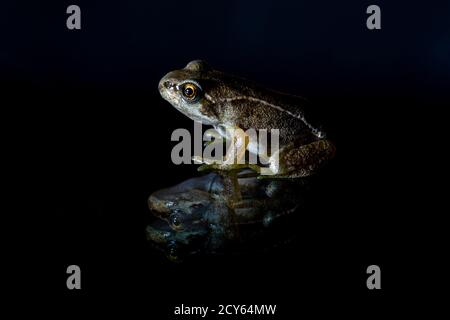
{"x":227,"y":102}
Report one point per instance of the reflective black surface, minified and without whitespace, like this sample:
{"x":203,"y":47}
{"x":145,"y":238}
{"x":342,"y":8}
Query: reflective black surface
{"x":90,"y":140}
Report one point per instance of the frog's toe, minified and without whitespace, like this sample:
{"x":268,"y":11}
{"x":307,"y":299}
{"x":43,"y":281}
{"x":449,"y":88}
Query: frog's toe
{"x":203,"y":160}
{"x":206,"y":168}
{"x":276,"y":176}
{"x":214,"y":166}
{"x":228,"y":167}
{"x":197,"y":159}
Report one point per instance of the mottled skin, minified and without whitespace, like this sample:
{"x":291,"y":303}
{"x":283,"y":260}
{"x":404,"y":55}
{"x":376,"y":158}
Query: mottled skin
{"x":228,"y":102}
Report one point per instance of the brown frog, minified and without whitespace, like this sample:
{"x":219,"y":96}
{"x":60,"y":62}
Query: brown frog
{"x":227,"y":102}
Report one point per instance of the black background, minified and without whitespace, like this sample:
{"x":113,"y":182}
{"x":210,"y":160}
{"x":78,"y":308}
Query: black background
{"x":95,"y":142}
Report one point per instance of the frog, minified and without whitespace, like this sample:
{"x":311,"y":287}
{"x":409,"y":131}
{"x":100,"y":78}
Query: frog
{"x":193,"y":216}
{"x":195,"y":203}
{"x":176,"y":244}
{"x":202,"y":200}
{"x":230,"y":103}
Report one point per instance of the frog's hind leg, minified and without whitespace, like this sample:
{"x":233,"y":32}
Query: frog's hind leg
{"x":300,"y":161}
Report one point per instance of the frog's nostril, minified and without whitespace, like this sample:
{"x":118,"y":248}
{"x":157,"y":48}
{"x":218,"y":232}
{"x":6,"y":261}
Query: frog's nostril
{"x":167,"y":84}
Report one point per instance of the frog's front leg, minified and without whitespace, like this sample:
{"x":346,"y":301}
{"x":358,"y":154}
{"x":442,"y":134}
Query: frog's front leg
{"x":294,"y":161}
{"x":211,"y":136}
{"x":235,"y":157}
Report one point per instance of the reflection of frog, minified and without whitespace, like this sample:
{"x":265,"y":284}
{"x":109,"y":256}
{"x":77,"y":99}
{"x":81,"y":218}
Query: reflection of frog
{"x":197,"y":201}
{"x":176,"y":244}
{"x":195,"y":205}
{"x":194,"y":215}
{"x":227,"y":102}
{"x":192,"y":198}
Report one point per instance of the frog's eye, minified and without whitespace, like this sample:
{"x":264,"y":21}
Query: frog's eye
{"x":190,"y":91}
{"x":175,"y":221}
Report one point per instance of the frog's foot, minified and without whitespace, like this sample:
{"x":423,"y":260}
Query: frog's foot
{"x":228,"y":168}
{"x":293,"y":162}
{"x":281,"y":176}
{"x":269,"y":173}
{"x":202,"y":160}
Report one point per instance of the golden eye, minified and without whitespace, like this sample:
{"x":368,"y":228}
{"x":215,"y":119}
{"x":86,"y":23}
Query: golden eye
{"x":190,"y":91}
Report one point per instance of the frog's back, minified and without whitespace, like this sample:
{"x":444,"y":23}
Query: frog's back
{"x":246,"y":104}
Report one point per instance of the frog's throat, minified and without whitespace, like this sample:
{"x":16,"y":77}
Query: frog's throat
{"x":317,"y":132}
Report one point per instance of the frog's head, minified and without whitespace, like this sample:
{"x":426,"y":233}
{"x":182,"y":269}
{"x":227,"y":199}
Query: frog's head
{"x":182,"y":210}
{"x":176,"y":244}
{"x":191,"y":90}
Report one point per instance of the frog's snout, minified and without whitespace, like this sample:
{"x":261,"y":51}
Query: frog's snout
{"x":165,"y":85}
{"x":167,"y":88}
{"x":158,"y":206}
